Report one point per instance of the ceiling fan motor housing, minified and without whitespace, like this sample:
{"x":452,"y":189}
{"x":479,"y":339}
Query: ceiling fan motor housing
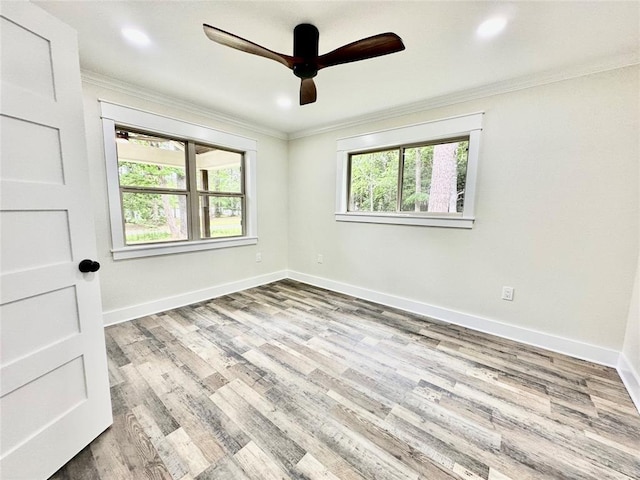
{"x":305,"y":46}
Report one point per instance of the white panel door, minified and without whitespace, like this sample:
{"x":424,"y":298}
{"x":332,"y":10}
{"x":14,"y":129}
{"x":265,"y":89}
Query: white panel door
{"x":54,"y":390}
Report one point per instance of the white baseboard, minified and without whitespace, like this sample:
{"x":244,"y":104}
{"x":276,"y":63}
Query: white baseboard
{"x":630,"y":378}
{"x":120,"y":315}
{"x":573,"y":348}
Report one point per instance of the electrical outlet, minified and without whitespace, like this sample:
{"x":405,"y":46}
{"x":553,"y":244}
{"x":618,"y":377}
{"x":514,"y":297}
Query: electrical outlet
{"x":507,"y":293}
{"x":320,"y":258}
{"x":258,"y":257}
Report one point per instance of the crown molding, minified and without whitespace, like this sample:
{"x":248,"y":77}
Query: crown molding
{"x":497,"y":88}
{"x":104,"y":81}
{"x":489,"y":90}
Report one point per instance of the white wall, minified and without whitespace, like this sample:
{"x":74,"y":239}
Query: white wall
{"x":140,"y":286}
{"x":557,"y":218}
{"x":557,"y":215}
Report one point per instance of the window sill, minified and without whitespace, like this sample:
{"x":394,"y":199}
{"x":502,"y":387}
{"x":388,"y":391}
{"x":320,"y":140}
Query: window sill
{"x":151,"y":250}
{"x":406,"y":219}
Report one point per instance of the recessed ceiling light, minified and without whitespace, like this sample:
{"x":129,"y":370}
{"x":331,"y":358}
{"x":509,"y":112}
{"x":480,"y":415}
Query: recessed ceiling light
{"x":491,"y":27}
{"x":136,"y":37}
{"x":284,"y":102}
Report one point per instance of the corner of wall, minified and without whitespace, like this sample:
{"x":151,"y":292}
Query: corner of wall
{"x":631,"y":379}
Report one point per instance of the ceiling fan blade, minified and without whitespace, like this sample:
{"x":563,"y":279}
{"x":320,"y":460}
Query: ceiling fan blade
{"x":382,"y":44}
{"x":239,"y":43}
{"x":308,"y":92}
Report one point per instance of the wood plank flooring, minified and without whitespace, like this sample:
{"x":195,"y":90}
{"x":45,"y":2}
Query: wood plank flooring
{"x":289,"y":381}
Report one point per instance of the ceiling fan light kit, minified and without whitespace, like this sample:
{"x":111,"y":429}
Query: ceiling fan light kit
{"x":305,"y":61}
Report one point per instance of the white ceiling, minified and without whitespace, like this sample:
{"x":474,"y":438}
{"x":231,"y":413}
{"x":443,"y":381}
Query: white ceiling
{"x":443,"y":56}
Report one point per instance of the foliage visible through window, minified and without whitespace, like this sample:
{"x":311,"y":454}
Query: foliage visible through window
{"x":160,"y":200}
{"x":219,"y":174}
{"x":423,"y":178}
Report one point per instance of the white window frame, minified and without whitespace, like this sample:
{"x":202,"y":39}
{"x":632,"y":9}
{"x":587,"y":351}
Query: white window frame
{"x":113,"y":114}
{"x":454,"y":127}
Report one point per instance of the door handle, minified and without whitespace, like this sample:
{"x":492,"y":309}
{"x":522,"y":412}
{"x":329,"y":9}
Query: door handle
{"x":87,"y":265}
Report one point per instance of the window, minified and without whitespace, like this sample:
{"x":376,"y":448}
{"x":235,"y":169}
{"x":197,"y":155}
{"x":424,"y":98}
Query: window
{"x":157,"y":191}
{"x":191,"y":189}
{"x":422,"y":178}
{"x":221,"y":192}
{"x":426,"y":177}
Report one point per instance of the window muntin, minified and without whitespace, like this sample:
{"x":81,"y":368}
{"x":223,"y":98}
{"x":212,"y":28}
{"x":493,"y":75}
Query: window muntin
{"x":427,"y":178}
{"x":157,"y":189}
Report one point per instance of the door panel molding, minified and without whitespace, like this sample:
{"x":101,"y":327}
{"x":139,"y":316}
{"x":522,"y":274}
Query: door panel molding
{"x":54,"y":389}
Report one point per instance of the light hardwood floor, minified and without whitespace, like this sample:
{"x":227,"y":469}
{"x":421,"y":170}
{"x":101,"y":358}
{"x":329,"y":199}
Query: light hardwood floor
{"x":288,"y":381}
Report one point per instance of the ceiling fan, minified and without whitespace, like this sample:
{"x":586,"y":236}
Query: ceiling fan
{"x":305,"y":61}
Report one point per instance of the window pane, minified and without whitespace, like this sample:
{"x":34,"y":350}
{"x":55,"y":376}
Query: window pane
{"x":374,"y":181}
{"x":218,"y":170}
{"x":149,"y":161}
{"x":220,"y":216}
{"x":434,"y":177}
{"x":154,"y":217}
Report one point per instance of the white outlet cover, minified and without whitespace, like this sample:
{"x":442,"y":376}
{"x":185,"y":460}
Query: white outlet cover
{"x":507,"y":293}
